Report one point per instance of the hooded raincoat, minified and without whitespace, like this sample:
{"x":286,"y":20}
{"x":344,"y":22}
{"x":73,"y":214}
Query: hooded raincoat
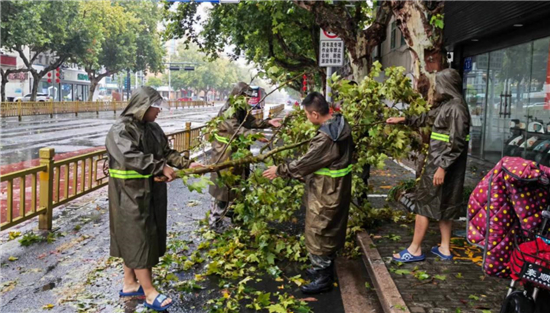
{"x":137,"y":152}
{"x":450,"y":121}
{"x":326,"y":168}
{"x":226,"y":129}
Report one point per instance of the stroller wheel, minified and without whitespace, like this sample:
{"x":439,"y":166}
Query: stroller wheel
{"x":517,"y":302}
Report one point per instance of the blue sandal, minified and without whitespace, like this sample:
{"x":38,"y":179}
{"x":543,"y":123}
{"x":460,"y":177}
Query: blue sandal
{"x":406,"y":257}
{"x":157,"y":304}
{"x":435,"y":250}
{"x":139,"y":292}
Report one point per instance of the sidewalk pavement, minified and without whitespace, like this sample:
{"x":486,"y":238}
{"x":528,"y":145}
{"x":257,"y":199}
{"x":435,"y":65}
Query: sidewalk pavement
{"x":431,"y":286}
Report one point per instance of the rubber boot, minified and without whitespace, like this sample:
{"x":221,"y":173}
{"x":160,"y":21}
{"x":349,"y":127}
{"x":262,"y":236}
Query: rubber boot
{"x":311,"y":273}
{"x":322,"y":281}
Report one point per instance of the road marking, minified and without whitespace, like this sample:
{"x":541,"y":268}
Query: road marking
{"x":404,"y":166}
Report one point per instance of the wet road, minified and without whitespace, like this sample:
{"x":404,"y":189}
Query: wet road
{"x":21,"y":140}
{"x":74,"y":273}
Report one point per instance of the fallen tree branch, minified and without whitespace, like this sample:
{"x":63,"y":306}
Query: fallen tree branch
{"x":232,"y":163}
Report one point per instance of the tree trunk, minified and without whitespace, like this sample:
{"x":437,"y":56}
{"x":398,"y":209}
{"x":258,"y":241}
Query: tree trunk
{"x":35,"y":82}
{"x":425,"y":41}
{"x":93,"y":85}
{"x":4,"y":82}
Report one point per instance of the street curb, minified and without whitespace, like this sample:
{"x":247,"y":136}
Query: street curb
{"x":387,"y":291}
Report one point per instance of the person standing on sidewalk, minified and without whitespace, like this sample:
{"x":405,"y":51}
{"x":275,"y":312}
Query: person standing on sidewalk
{"x":439,"y":193}
{"x":327,"y":169}
{"x":223,"y":194}
{"x":138,"y":151}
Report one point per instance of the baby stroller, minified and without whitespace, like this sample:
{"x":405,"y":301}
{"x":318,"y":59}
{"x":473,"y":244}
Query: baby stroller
{"x":508,"y":217}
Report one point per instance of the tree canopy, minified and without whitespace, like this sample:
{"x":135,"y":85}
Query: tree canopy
{"x":124,"y":37}
{"x":52,"y":27}
{"x":277,"y":36}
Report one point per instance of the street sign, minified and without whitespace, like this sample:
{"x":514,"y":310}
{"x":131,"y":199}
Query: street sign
{"x":174,"y":68}
{"x":331,"y":51}
{"x":188,"y":68}
{"x":325,"y":35}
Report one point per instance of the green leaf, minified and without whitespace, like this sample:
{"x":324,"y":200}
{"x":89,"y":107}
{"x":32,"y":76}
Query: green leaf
{"x":276,"y":308}
{"x":402,"y":272}
{"x":473,"y":297}
{"x":421,"y":275}
{"x":13,"y":258}
{"x":440,"y":277}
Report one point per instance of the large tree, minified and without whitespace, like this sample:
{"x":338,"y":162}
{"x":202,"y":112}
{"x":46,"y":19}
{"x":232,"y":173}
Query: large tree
{"x":360,"y":27}
{"x":277,"y":36}
{"x":124,"y":37}
{"x":45,"y":27}
{"x":421,"y":23}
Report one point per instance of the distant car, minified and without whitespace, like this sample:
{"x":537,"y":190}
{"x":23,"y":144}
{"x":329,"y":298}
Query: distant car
{"x":40,"y":97}
{"x":185,"y":99}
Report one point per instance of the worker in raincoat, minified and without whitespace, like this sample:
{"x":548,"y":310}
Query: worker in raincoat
{"x":138,"y":151}
{"x":326,"y":167}
{"x":222,"y":193}
{"x":439,"y":193}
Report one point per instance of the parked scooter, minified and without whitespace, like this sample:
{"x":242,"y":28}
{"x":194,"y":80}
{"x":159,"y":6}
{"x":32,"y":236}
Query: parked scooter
{"x":530,"y":266}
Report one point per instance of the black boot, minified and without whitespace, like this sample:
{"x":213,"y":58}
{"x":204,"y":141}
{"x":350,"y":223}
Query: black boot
{"x":322,"y":281}
{"x":311,"y":273}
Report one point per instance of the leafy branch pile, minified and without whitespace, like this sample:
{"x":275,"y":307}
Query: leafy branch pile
{"x":258,"y":244}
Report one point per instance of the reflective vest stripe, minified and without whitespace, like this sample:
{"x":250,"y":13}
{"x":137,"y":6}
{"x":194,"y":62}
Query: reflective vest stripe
{"x":443,"y":137}
{"x":440,"y":137}
{"x":335,"y":173}
{"x":126,"y":174}
{"x":221,"y":139}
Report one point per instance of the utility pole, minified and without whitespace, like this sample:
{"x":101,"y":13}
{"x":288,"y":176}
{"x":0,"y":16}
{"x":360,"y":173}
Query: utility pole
{"x":170,"y":71}
{"x":128,"y":85}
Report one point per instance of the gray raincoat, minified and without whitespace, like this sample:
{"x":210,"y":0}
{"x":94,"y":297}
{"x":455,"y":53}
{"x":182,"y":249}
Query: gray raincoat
{"x":137,"y":152}
{"x":450,"y":121}
{"x":226,"y":129}
{"x":326,"y":168}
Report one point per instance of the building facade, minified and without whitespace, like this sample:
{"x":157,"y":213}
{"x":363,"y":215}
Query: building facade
{"x":502,"y":50}
{"x":18,"y":83}
{"x":73,"y":81}
{"x":73,"y":84}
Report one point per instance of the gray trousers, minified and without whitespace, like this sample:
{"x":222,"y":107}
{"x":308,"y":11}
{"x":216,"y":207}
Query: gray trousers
{"x":321,"y":262}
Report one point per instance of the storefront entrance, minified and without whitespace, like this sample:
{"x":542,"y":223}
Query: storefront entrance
{"x":508,"y":93}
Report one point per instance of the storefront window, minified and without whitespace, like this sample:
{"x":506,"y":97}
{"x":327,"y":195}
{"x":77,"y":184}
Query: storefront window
{"x":537,"y":143}
{"x":67,"y":92}
{"x":78,"y":93}
{"x":475,"y":85}
{"x":508,"y":93}
{"x":49,"y":89}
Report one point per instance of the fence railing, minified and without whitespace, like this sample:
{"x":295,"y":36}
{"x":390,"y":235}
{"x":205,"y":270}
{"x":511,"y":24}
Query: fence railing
{"x":273,"y":111}
{"x":21,"y":109}
{"x":38,"y":190}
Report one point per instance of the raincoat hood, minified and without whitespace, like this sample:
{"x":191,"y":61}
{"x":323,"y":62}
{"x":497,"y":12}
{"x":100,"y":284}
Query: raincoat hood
{"x":140,"y":101}
{"x":240,"y":89}
{"x":335,"y":128}
{"x":448,"y":84}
